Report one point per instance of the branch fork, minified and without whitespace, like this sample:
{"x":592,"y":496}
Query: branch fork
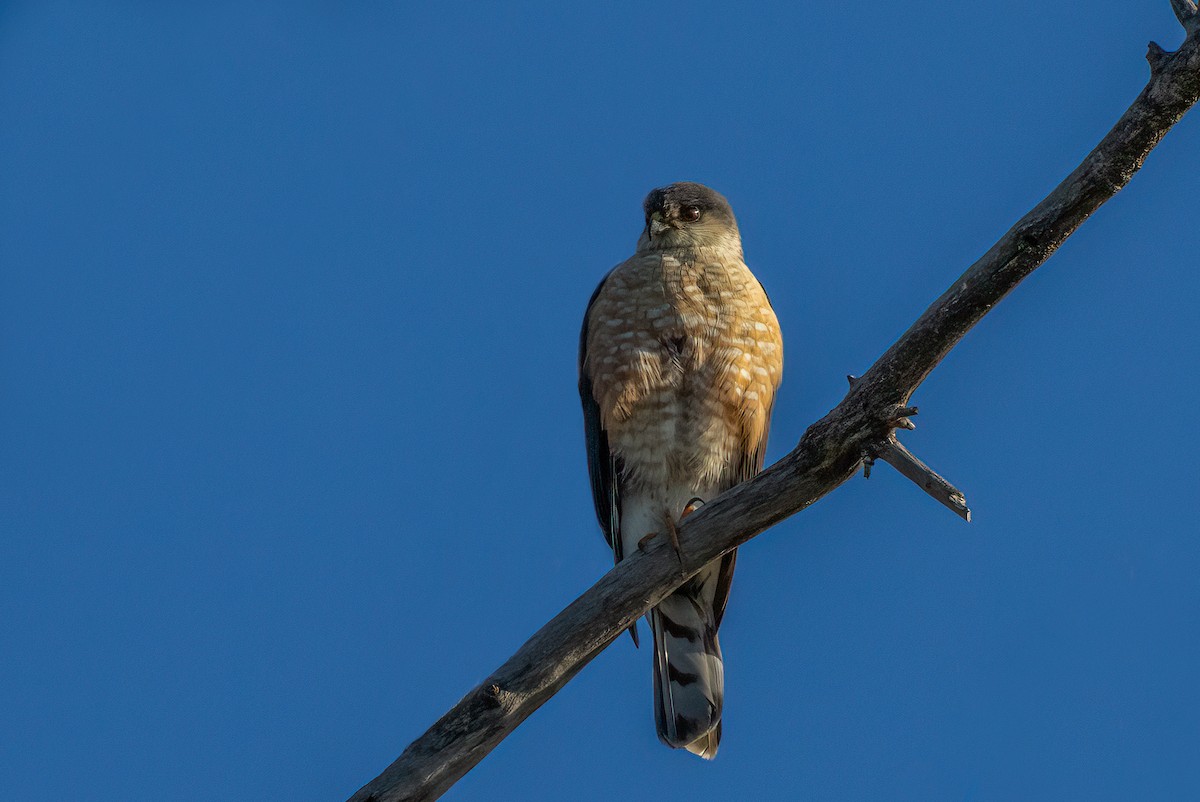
{"x":1188,"y":14}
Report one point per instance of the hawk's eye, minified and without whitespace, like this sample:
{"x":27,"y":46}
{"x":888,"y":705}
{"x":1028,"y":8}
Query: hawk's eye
{"x":690,"y":213}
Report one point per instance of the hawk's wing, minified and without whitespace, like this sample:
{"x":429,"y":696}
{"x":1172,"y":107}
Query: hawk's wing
{"x":603,"y":468}
{"x":748,"y":464}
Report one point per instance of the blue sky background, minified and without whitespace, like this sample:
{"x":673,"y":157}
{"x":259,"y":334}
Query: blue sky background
{"x":292,"y":454}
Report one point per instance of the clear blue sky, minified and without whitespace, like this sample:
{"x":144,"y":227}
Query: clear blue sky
{"x":292,"y":454}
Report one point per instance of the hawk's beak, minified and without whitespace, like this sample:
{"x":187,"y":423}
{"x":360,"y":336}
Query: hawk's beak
{"x":657,"y":225}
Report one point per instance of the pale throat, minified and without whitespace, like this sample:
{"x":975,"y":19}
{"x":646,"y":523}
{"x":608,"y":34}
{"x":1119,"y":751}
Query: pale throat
{"x":700,"y":240}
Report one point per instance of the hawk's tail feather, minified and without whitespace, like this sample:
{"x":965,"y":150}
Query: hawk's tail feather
{"x":706,"y":745}
{"x":689,"y":675}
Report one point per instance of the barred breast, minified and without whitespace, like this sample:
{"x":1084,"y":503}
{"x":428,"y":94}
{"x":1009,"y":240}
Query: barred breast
{"x":688,"y":352}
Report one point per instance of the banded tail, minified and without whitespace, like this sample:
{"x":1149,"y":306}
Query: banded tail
{"x":689,"y":674}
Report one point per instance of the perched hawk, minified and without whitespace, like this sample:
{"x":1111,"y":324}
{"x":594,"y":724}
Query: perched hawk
{"x":679,"y":360}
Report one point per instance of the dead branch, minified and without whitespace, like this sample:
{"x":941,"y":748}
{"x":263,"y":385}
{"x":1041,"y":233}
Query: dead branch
{"x":829,"y":453}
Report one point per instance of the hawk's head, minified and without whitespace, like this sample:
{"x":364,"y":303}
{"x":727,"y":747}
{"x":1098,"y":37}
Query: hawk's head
{"x":688,"y":215}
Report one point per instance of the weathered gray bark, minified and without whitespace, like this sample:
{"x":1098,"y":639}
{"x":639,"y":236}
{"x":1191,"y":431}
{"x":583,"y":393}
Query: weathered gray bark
{"x":829,"y":453}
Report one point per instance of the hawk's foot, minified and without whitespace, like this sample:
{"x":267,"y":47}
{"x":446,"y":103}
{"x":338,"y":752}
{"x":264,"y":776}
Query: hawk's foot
{"x":672,"y":528}
{"x":673,"y":535}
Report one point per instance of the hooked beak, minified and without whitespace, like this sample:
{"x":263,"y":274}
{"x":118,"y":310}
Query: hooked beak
{"x":657,"y":224}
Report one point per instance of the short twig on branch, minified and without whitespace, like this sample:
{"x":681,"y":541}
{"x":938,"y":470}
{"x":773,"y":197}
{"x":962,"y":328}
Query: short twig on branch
{"x":895,"y":454}
{"x":828,"y":454}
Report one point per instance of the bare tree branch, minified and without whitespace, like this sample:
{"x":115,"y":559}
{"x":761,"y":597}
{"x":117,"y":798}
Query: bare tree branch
{"x":828,"y":454}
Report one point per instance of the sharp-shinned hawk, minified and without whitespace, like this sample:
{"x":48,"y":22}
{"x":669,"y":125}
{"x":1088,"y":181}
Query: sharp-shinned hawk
{"x":679,"y":360}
